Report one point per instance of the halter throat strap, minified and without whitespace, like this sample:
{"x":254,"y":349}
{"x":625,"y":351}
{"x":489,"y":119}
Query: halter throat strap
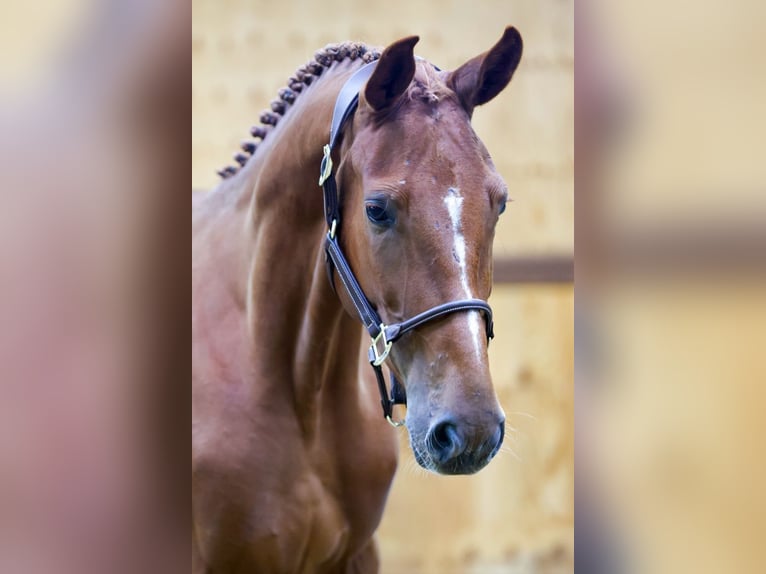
{"x":382,"y":336}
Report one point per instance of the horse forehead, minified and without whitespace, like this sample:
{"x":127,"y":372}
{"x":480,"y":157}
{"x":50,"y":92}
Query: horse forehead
{"x":425,"y":177}
{"x":429,"y":136}
{"x":446,"y":144}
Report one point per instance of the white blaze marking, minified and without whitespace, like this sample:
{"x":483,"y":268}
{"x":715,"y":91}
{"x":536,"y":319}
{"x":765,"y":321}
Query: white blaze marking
{"x":454,"y":202}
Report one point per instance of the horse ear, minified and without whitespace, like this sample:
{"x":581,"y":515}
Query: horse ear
{"x":480,"y":79}
{"x":392,"y":75}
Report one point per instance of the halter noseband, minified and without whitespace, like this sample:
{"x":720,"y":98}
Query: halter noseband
{"x":383,"y":336}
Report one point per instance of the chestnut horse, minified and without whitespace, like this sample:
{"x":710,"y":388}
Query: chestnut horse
{"x":291,"y":459}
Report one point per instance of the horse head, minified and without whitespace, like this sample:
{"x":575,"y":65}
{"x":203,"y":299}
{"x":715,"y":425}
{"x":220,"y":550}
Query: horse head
{"x":421,"y":199}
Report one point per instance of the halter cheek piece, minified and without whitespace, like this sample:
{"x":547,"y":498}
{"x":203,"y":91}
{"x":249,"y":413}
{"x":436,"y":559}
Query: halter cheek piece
{"x":383,"y":336}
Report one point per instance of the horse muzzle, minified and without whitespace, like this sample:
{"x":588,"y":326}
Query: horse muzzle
{"x":451,"y":446}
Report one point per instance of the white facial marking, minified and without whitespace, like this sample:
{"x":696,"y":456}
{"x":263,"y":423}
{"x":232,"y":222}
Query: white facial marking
{"x":454,"y":202}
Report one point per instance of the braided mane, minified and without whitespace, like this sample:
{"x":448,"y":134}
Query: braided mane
{"x":303,"y":76}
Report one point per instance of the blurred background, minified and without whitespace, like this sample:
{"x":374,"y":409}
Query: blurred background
{"x":94,"y":284}
{"x":517,"y":515}
{"x":671,"y":290}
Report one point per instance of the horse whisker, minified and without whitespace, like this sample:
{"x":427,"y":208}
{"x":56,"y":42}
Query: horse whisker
{"x":524,"y":414}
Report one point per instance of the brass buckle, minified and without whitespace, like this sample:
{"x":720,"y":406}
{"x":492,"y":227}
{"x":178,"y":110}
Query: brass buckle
{"x":326,"y":165}
{"x":380,"y":356}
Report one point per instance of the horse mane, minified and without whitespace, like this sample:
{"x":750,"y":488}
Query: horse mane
{"x":303,"y":76}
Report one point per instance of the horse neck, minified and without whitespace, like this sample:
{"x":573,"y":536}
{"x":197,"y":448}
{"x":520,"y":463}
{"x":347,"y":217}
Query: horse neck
{"x":298,"y":329}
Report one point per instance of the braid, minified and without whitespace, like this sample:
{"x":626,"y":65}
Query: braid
{"x":303,"y":76}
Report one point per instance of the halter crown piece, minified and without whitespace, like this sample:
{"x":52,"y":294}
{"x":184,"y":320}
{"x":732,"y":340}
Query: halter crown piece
{"x":382,"y":336}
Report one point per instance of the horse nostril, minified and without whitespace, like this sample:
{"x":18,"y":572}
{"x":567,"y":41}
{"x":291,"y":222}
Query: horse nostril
{"x":442,"y":433}
{"x":445,"y":441}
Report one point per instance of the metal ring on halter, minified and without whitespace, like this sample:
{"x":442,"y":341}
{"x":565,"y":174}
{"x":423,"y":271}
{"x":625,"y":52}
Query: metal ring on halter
{"x":394,"y":423}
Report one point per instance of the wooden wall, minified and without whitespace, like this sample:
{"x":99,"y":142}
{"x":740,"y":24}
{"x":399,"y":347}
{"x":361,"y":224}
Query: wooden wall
{"x":517,"y":515}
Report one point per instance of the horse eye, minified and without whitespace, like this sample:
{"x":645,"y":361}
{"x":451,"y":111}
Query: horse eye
{"x":502,"y":208}
{"x":377,"y":213}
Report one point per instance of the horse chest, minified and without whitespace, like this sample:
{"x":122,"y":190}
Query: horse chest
{"x":309,"y":509}
{"x":301,"y":531}
{"x":301,"y":519}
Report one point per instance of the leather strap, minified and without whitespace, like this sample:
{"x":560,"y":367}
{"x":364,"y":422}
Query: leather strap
{"x":395,"y":331}
{"x":347,"y":100}
{"x":369,"y":316}
{"x":345,"y":104}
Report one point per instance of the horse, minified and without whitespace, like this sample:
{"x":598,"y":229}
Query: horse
{"x":291,"y":459}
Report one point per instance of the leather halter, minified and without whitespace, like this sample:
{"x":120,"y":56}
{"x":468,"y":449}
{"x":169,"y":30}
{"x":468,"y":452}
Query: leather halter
{"x":383,"y":336}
